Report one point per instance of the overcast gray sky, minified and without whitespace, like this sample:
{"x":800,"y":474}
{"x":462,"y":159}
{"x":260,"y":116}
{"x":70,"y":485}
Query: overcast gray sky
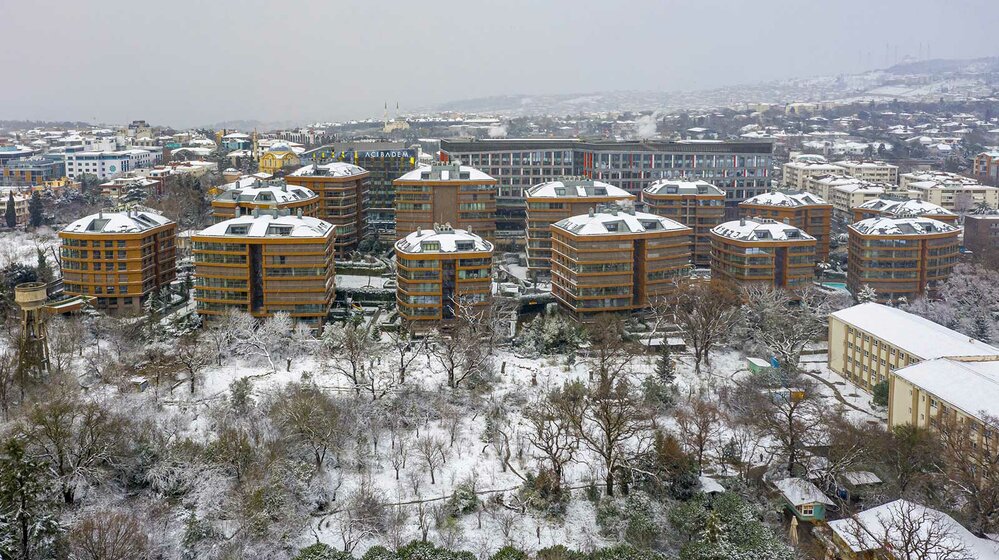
{"x":184,"y":62}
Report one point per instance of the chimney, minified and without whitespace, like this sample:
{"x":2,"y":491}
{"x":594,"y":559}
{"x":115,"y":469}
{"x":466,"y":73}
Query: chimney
{"x":742,"y":221}
{"x":591,"y":211}
{"x":298,"y":213}
{"x":236,"y":211}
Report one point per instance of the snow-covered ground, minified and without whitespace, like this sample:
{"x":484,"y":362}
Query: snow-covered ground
{"x":22,"y":246}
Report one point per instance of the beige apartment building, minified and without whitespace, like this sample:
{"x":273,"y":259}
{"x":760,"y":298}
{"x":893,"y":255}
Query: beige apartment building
{"x":874,"y":171}
{"x":954,"y":192}
{"x":870,"y":341}
{"x":797,"y":173}
{"x":959,"y":388}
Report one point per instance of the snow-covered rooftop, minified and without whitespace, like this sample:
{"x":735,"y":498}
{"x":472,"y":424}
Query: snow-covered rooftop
{"x":268,"y":224}
{"x":442,"y":239}
{"x":912,"y":206}
{"x":760,"y":229}
{"x":911,"y":332}
{"x":860,"y":478}
{"x":851,"y":164}
{"x":580,"y":188}
{"x":890,"y":523}
{"x":799,"y":492}
{"x":891,"y":225}
{"x":259,"y":192}
{"x":446,"y":172}
{"x":671,"y":186}
{"x":605,"y":222}
{"x":117,"y":222}
{"x":333,"y":169}
{"x":971,"y":384}
{"x":783,"y":199}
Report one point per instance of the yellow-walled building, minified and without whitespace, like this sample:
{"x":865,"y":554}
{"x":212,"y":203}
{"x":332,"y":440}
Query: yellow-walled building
{"x":118,"y":257}
{"x":277,"y":159}
{"x":266,"y":262}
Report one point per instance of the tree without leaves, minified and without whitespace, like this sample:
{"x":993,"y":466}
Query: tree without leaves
{"x":909,"y":454}
{"x":700,"y":425}
{"x":432,"y":451}
{"x":551,"y":434}
{"x":782,"y":323}
{"x":407,"y":348}
{"x":345,"y":347}
{"x":78,"y":440}
{"x":307,"y":415}
{"x":789,"y":415}
{"x":907,"y":531}
{"x":108,"y":535}
{"x":705,"y":312}
{"x":194,"y":356}
{"x":971,"y":467}
{"x":460,"y":351}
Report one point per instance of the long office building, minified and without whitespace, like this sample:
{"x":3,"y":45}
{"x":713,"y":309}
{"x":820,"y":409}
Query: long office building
{"x":441,"y":273}
{"x":698,"y":205}
{"x":446,"y":193}
{"x":553,"y":201}
{"x":740,"y":168}
{"x":870,"y":341}
{"x":385,"y":161}
{"x":612,"y":260}
{"x":258,"y":194}
{"x":762,"y":251}
{"x":120,"y":258}
{"x":343,"y":197}
{"x":900,"y":257}
{"x":802,"y":210}
{"x":266,"y":262}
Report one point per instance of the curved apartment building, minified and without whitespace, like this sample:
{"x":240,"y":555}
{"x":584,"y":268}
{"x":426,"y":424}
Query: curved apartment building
{"x":900,"y":257}
{"x":119,"y":257}
{"x":266,"y":262}
{"x":440,"y":271}
{"x":613,"y":260}
{"x":764,"y":251}
{"x":557,"y":200}
{"x":912,"y":207}
{"x":805,"y":211}
{"x":264,"y":195}
{"x":445,"y":193}
{"x":698,"y":205}
{"x":343,"y":199}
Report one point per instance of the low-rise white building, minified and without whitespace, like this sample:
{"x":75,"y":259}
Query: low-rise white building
{"x":876,"y":171}
{"x":956,"y":193}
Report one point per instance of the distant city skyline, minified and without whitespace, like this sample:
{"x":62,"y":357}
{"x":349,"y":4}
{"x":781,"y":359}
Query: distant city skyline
{"x":186,"y":64}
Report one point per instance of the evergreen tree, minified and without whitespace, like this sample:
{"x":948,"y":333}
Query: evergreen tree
{"x":11,"y":214}
{"x":36,"y":210}
{"x":28,"y":527}
{"x":981,"y":328}
{"x":665,"y":367}
{"x":43,"y":270}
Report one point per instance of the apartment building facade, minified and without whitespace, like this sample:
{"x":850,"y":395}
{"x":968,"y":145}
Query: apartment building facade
{"x":266,"y":262}
{"x":343,"y":199}
{"x":698,"y":205}
{"x":120,"y":258}
{"x":762,"y":251}
{"x":869,"y":342}
{"x":797,"y":173}
{"x":900,"y":257}
{"x":442,"y":272}
{"x":981,"y":232}
{"x":803,"y":210}
{"x":460,"y":195}
{"x":986,"y":167}
{"x":867,"y":170}
{"x":557,"y":200}
{"x":956,"y":193}
{"x":611,"y":260}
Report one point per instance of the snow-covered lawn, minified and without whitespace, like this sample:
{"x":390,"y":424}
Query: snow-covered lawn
{"x":22,"y":246}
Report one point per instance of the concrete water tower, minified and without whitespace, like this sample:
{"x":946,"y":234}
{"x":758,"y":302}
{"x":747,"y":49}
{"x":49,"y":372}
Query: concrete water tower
{"x":33,"y":350}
